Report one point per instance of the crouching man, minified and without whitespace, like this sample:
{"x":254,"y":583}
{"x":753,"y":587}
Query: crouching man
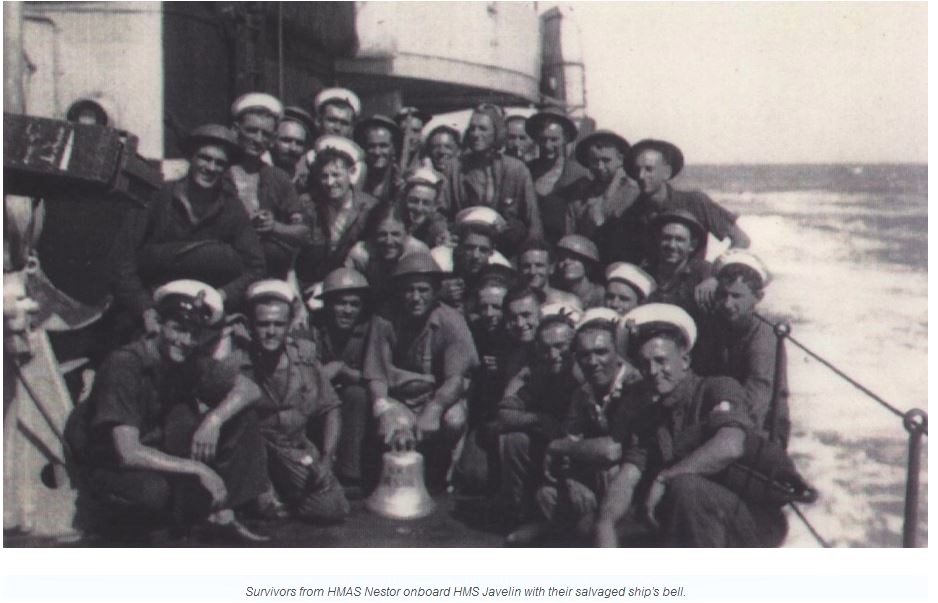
{"x":417,"y":367}
{"x":293,"y":391}
{"x":578,"y":464}
{"x":167,"y":435}
{"x":693,"y":429}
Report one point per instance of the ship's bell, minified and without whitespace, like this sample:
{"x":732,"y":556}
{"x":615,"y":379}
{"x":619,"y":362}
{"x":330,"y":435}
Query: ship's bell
{"x":401,"y":493}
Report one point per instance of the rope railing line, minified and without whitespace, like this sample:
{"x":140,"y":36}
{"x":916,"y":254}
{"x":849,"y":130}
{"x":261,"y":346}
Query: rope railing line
{"x":817,"y":536}
{"x":891,"y":408}
{"x":914,"y":421}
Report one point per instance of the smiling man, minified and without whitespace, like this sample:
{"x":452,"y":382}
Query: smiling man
{"x":677,"y":269}
{"x":653,"y":164}
{"x":266,"y":191}
{"x":690,"y":431}
{"x":740,"y":345}
{"x":167,"y":436}
{"x":381,"y":139}
{"x":531,"y":414}
{"x":484,"y":175}
{"x":417,"y":367}
{"x":192,"y":228}
{"x":600,"y":202}
{"x":556,"y":177}
{"x":294,"y":391}
{"x":580,"y":458}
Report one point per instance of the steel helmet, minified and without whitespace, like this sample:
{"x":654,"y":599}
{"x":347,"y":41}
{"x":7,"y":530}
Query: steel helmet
{"x":579,"y":245}
{"x":419,"y":262}
{"x":344,"y":279}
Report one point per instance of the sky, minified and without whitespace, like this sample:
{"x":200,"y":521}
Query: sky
{"x":761,"y":82}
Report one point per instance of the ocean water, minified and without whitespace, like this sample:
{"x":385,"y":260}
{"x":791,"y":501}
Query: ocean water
{"x":847,"y":248}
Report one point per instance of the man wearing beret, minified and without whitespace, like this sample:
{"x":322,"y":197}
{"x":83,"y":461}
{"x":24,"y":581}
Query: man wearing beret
{"x":417,"y":366}
{"x":600,"y":202}
{"x":484,"y":175}
{"x":653,"y":163}
{"x":167,"y":433}
{"x":266,"y":191}
{"x":556,"y":176}
{"x":192,"y":228}
{"x":294,"y":391}
{"x":691,"y":430}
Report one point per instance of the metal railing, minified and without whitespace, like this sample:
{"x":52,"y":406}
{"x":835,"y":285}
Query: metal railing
{"x":915,"y":422}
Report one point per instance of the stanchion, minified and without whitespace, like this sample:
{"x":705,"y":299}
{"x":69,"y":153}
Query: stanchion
{"x":916,"y":423}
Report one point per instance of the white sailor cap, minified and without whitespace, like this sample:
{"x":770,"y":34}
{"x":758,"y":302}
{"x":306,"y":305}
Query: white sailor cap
{"x":743,"y":258}
{"x":424,"y":175}
{"x":481,"y":215}
{"x":598,"y":315}
{"x":443,"y":256}
{"x":572,"y":313}
{"x":632,"y":275}
{"x":669,"y":314}
{"x":191,"y":300}
{"x":341,"y":144}
{"x":271,"y":288}
{"x":256,"y":100}
{"x":338,"y":94}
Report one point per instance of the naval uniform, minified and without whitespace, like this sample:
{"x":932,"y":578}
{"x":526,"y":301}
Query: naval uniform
{"x":166,"y":404}
{"x":696,"y":510}
{"x":292,"y":394}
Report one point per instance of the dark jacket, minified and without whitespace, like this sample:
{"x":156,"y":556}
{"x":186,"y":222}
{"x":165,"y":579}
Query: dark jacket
{"x":165,"y":223}
{"x":553,"y":206}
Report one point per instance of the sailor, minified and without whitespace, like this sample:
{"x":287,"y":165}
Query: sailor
{"x":291,"y":144}
{"x":419,"y":197}
{"x":477,"y":231}
{"x":295,"y":391}
{"x":386,"y":242}
{"x":600,"y":202}
{"x":535,"y":266}
{"x":532,"y":411}
{"x":340,"y":332}
{"x":676,"y":266}
{"x":267,"y":193}
{"x":522,"y":317}
{"x":518,"y":143}
{"x":192,"y":228}
{"x":381,"y":140}
{"x":582,"y":457}
{"x":483,"y":175}
{"x":691,"y":429}
{"x":336,"y":111}
{"x":557,"y":177}
{"x":335,"y":211}
{"x":477,"y":465}
{"x":577,"y":262}
{"x":417,"y":365}
{"x":627,"y":286}
{"x":167,"y":433}
{"x":744,"y":347}
{"x":442,"y":147}
{"x":652,"y":164}
{"x":411,"y":121}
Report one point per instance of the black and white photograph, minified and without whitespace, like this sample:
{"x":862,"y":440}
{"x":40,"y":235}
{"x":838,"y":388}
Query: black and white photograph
{"x":465,"y":275}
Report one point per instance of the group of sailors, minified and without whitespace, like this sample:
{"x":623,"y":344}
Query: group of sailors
{"x":529,"y":308}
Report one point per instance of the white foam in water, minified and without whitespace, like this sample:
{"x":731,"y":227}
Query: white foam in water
{"x":867,"y":317}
